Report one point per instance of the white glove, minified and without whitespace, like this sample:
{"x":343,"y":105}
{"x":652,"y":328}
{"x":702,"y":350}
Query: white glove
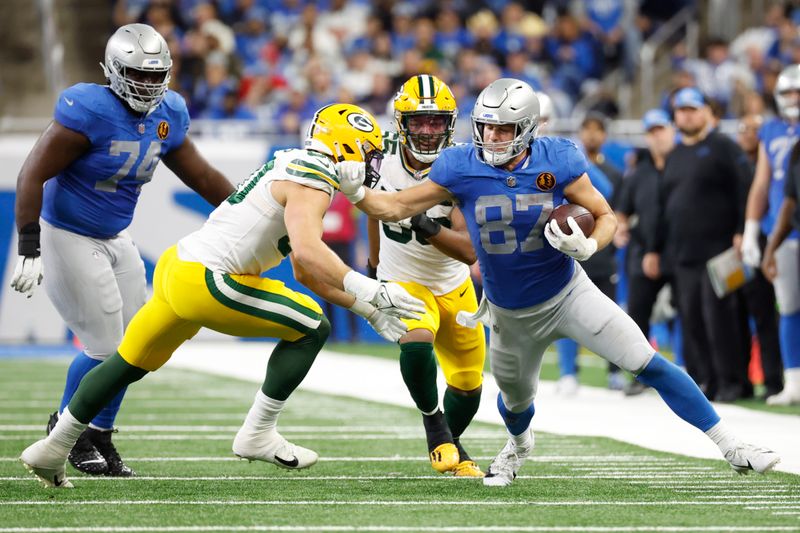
{"x":351,"y":179}
{"x":751,"y":251}
{"x":577,"y":245}
{"x":387,"y":326}
{"x":387,"y":297}
{"x":27,"y":274}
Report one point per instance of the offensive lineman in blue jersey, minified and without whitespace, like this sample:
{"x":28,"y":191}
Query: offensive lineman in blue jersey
{"x":102,"y":146}
{"x":778,"y":137}
{"x":506,"y":184}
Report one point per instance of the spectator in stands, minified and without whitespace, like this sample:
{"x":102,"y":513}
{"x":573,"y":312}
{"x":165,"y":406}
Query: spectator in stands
{"x":572,"y":54}
{"x":210,"y":90}
{"x":637,"y":213}
{"x":451,"y":35}
{"x":706,"y":179}
{"x":718,"y":76}
{"x":230,"y":108}
{"x":759,"y":295}
{"x":402,"y":31}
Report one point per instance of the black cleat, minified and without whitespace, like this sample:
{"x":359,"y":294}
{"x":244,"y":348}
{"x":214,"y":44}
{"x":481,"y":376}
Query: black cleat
{"x":102,"y":443}
{"x":83,"y":456}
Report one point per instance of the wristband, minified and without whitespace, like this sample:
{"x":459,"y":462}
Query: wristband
{"x":28,"y":244}
{"x":425,"y":226}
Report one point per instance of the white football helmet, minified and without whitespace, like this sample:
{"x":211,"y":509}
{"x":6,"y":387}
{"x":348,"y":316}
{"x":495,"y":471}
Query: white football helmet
{"x":788,"y":80}
{"x":505,"y":101}
{"x":137,"y":65}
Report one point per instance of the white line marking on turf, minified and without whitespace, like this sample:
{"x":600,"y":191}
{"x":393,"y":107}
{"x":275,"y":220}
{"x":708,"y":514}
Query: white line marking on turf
{"x":531,"y":529}
{"x":379,"y":503}
{"x":391,"y":458}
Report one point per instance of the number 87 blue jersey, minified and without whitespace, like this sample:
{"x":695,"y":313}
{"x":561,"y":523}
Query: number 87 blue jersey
{"x":505,"y":213}
{"x":97,"y":193}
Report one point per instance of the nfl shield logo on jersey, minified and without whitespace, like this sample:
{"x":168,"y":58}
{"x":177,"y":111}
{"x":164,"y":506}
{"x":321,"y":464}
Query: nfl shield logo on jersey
{"x":511,"y":181}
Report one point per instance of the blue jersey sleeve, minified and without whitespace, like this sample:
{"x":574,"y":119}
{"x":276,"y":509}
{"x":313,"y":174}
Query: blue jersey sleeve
{"x":576,"y":162}
{"x":179,"y":116}
{"x":73,"y":112}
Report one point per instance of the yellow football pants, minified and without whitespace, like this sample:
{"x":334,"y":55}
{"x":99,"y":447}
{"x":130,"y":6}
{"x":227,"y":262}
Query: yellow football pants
{"x":461,"y":351}
{"x":188,"y":296}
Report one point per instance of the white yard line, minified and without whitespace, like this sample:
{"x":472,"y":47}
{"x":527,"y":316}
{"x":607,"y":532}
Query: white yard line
{"x":431,"y":529}
{"x":643,"y":420}
{"x":384,"y":503}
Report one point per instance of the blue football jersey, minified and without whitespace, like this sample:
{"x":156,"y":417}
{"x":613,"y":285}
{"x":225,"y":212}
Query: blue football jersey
{"x":506,"y":212}
{"x":97,"y":194}
{"x":778,"y":139}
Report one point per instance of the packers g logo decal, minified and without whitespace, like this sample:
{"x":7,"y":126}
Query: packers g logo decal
{"x":360,"y":122}
{"x":163,"y":130}
{"x":545,"y":181}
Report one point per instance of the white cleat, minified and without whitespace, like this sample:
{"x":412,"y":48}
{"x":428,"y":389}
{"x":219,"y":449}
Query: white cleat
{"x":272,"y":448}
{"x":746,"y":458}
{"x":787,"y":396}
{"x":503,"y":468}
{"x":47,"y":464}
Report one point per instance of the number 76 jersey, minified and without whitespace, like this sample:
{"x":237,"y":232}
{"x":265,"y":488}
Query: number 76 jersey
{"x":97,"y":193}
{"x":505,"y":213}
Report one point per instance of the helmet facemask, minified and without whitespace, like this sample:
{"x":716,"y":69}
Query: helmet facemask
{"x":501,"y":152}
{"x":789,"y":104}
{"x":143,"y":88}
{"x":425,"y":134}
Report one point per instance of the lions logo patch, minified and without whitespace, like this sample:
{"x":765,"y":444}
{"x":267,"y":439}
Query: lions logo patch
{"x":360,"y":122}
{"x":545,"y":181}
{"x":163,"y":130}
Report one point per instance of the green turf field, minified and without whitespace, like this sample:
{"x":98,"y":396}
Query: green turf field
{"x":177,"y":429}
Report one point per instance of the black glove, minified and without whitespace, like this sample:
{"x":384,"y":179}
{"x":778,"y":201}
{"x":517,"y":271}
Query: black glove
{"x":424,"y":226}
{"x":28,"y":243}
{"x":372,"y":271}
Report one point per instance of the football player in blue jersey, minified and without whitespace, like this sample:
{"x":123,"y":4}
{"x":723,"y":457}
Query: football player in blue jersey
{"x":506,"y":183}
{"x":778,"y":137}
{"x":102,"y":146}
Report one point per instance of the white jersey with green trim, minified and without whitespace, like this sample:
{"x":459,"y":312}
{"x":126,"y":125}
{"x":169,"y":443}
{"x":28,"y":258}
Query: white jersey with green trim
{"x":404,"y":255}
{"x":246,"y":234}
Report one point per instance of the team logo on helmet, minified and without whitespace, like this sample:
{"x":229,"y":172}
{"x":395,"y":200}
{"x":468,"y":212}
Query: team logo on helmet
{"x":545,"y":181}
{"x":360,"y":122}
{"x":163,"y":130}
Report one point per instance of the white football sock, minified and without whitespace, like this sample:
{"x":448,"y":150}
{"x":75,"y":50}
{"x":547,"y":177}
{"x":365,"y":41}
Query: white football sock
{"x":722,"y":436}
{"x":263,"y":414}
{"x":67,"y":430}
{"x":523,"y":441}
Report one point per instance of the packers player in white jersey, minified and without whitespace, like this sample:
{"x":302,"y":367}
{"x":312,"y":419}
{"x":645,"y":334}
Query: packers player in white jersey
{"x":429,"y":256}
{"x":211,"y":278}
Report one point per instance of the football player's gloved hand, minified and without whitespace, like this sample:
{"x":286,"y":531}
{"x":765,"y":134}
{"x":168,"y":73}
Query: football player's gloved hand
{"x":28,"y":272}
{"x":576,"y":245}
{"x":351,"y":179}
{"x":390,"y":298}
{"x":387,"y":326}
{"x":425,"y":226}
{"x":751,"y":251}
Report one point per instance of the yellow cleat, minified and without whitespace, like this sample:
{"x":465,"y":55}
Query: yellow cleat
{"x":444,"y":457}
{"x":467,"y":469}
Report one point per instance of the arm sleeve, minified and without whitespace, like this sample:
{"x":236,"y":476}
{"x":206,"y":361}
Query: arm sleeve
{"x":71,"y":112}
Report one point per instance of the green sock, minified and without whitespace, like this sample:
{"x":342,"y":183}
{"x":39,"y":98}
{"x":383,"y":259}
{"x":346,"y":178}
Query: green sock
{"x":291,"y":361}
{"x":418,"y":367}
{"x":100,"y":385}
{"x":459,"y":409}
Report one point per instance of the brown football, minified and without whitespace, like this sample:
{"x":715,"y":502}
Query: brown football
{"x":581,"y":215}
